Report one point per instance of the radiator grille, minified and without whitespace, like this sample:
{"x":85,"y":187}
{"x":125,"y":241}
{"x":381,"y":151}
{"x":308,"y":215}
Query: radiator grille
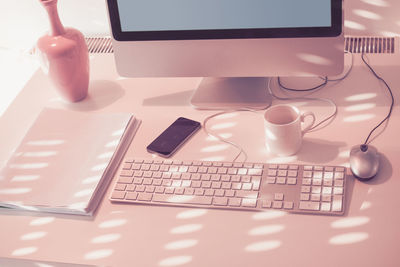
{"x":372,"y":45}
{"x":99,"y":45}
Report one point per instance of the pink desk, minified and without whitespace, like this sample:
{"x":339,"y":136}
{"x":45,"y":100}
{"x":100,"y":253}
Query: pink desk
{"x":138,"y":235}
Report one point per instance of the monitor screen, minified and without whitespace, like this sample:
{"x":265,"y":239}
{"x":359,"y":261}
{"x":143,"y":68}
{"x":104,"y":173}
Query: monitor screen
{"x":244,"y":41}
{"x":193,"y":19}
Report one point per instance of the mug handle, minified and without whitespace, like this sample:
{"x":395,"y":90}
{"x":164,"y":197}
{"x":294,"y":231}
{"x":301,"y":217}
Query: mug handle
{"x":302,"y":119}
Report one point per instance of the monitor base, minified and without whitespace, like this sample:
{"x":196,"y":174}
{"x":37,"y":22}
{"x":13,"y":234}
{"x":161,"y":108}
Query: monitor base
{"x":232,"y":93}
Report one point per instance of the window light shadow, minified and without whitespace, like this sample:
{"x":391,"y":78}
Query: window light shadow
{"x":367,"y":14}
{"x":33,"y":236}
{"x":215,"y":148}
{"x":360,"y":107}
{"x":224,"y":125}
{"x":112,"y":223}
{"x":98,"y":254}
{"x":214,"y":158}
{"x":24,"y":251}
{"x":24,"y":178}
{"x":352,"y":25}
{"x":359,"y":117}
{"x":175,"y":261}
{"x":107,"y":238}
{"x":263,"y":246}
{"x":365,"y":205}
{"x":268,"y":215}
{"x":181,"y":244}
{"x":380,"y":3}
{"x":42,"y":221}
{"x":314,"y":59}
{"x":187,"y":228}
{"x":349,"y":238}
{"x":350,"y":222}
{"x":266,"y":230}
{"x":192,"y":213}
{"x":360,"y":97}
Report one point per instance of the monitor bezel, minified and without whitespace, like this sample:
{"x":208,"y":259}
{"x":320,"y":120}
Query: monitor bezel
{"x":296,"y":32}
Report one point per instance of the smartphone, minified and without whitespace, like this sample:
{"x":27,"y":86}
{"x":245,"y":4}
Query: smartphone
{"x":173,"y":137}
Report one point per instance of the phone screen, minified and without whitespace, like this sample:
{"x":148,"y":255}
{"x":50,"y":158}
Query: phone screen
{"x":173,"y":137}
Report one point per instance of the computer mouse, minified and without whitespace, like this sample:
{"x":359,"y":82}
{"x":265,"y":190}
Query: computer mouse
{"x":364,"y":161}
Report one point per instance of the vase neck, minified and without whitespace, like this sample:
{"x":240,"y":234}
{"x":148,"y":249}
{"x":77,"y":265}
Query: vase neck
{"x":56,"y":27}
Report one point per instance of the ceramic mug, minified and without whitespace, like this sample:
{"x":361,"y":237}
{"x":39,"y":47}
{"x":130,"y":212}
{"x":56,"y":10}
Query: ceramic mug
{"x":284,"y":128}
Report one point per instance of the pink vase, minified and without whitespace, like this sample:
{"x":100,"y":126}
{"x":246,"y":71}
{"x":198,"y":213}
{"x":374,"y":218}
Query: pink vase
{"x":64,"y":56}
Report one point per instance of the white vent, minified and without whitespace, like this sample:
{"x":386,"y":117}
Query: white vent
{"x":99,"y":45}
{"x":372,"y":45}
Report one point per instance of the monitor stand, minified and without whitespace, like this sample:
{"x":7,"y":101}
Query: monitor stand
{"x":232,"y":93}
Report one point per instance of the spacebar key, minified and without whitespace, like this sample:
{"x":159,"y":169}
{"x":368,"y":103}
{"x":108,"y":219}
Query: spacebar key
{"x":183,"y":199}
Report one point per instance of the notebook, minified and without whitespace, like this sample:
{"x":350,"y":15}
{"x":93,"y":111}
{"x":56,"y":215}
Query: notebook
{"x":66,"y":161}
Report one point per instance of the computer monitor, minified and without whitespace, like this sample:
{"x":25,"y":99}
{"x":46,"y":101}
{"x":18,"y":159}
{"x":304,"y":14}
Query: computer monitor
{"x":234,"y":44}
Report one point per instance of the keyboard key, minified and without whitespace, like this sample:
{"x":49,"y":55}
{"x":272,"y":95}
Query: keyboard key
{"x":315,"y":197}
{"x":277,"y":204}
{"x":246,"y":194}
{"x":127,"y":166}
{"x":209,"y":192}
{"x":249,"y":202}
{"x":120,"y":187}
{"x":339,"y":183}
{"x":220,"y":201}
{"x":234,"y":202}
{"x":278,"y":196}
{"x":144,"y":196}
{"x":125,"y":180}
{"x":304,"y":196}
{"x":338,"y":190}
{"x":118,"y":195}
{"x":337,"y":203}
{"x":127,"y":173}
{"x":325,"y":206}
{"x":281,"y":180}
{"x":130,"y":187}
{"x":306,"y":189}
{"x":219,"y":192}
{"x":199,"y":191}
{"x":131,"y":195}
{"x":288,"y":205}
{"x":266,"y":203}
{"x":309,"y":205}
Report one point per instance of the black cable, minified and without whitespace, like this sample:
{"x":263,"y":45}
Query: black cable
{"x":326,"y":80}
{"x":391,"y":95}
{"x":303,"y":90}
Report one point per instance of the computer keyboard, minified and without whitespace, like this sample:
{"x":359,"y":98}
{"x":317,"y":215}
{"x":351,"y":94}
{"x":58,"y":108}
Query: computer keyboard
{"x":311,"y":189}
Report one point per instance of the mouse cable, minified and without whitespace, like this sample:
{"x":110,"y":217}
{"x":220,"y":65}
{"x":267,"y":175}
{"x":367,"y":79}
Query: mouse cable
{"x":390,"y":92}
{"x":222,"y":139}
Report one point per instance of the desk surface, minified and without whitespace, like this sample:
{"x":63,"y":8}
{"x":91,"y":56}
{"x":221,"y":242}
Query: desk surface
{"x":138,"y":235}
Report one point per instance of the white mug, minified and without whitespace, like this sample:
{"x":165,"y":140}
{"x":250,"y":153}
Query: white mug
{"x":283,"y":129}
